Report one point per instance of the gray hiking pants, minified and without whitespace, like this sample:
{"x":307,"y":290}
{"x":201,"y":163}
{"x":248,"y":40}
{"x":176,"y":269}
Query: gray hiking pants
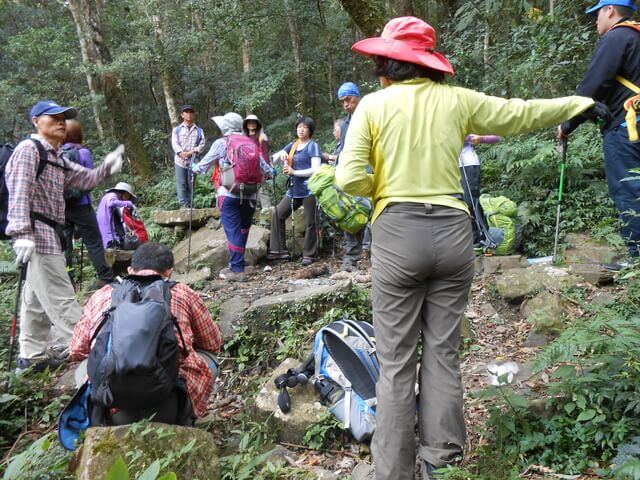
{"x":422,"y":264}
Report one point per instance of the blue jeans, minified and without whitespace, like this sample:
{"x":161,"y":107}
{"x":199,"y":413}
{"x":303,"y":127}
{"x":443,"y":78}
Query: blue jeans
{"x":183,"y":186}
{"x":236,"y":217}
{"x":620,"y":155}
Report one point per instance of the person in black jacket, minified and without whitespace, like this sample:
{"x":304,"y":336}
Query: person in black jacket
{"x":617,"y":54}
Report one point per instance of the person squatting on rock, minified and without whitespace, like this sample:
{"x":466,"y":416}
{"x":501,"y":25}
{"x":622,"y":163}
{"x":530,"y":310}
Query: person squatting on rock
{"x":236,"y":210}
{"x":200,"y":333}
{"x":301,"y":159}
{"x":411,"y":132}
{"x":80,"y":217}
{"x":617,"y":55}
{"x":471,"y":177}
{"x":120,"y":196}
{"x":187,"y":140}
{"x":35,"y":223}
{"x":252,"y":127}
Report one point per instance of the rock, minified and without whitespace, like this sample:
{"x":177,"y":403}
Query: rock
{"x":516,"y":283}
{"x":488,"y":265}
{"x":536,"y":338}
{"x":586,"y":250}
{"x":546,"y":312}
{"x":592,"y":273}
{"x":321,"y":299}
{"x":199,"y":217}
{"x":117,"y":257}
{"x":103,"y":445}
{"x":603,"y":298}
{"x":208,"y":247}
{"x":466,"y":332}
{"x":257,"y":245}
{"x":306,"y":409}
{"x":488,"y":310}
{"x":193,"y":277}
{"x":313,"y":271}
{"x":231,"y":315}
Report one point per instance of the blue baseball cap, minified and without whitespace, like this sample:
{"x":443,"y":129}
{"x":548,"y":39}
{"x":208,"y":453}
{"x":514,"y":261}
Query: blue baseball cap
{"x":603,"y":3}
{"x":348,"y":89}
{"x":49,"y":107}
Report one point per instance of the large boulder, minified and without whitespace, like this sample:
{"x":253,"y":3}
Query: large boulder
{"x":197,"y":216}
{"x":306,"y":409}
{"x":257,"y":245}
{"x":516,"y":283}
{"x":546,"y":312}
{"x":592,"y":272}
{"x":231,"y":313}
{"x":208,"y":248}
{"x":318,"y":300}
{"x":103,"y":446}
{"x":585,"y":249}
{"x":489,"y":264}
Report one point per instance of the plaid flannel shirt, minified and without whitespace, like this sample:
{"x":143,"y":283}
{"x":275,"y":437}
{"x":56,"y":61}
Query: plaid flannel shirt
{"x":197,"y":327}
{"x":43,"y":195}
{"x":186,"y":138}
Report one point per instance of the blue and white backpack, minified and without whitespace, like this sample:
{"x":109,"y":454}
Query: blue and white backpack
{"x":346,"y":370}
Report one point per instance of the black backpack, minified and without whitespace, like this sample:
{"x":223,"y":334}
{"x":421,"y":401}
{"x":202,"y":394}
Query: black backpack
{"x":134,"y":361}
{"x":6,"y":151}
{"x":71,"y":197}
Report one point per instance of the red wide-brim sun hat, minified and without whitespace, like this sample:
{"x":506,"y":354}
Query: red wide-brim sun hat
{"x":407,"y":39}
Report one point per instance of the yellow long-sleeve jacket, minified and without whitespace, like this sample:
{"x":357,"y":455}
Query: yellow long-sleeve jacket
{"x":412,"y":132}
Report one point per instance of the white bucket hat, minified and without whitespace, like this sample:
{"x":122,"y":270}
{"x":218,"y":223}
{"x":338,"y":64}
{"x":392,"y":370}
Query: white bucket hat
{"x":229,"y":123}
{"x":123,"y":187}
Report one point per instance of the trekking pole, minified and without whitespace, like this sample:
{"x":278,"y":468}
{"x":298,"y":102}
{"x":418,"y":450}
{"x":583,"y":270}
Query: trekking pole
{"x":192,"y":179}
{"x":563,"y":166}
{"x":81,"y":262}
{"x":293,"y":225}
{"x":14,"y":320}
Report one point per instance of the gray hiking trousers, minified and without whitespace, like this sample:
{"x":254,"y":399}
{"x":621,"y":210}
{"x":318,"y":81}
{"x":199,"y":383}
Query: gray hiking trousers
{"x":422,"y":264}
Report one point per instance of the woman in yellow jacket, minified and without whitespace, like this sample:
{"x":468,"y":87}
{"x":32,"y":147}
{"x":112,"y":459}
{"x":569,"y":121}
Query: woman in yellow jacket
{"x":411,"y":133}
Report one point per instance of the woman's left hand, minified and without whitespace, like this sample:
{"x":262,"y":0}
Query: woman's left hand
{"x":288,"y":170}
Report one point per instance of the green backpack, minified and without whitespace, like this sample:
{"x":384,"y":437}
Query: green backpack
{"x":501,"y":214}
{"x":349,"y":213}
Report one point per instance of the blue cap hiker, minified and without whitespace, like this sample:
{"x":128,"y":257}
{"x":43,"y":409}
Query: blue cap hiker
{"x":348,"y":89}
{"x":603,"y":3}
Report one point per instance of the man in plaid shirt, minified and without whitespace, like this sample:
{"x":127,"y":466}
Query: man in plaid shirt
{"x":187,"y":140}
{"x":200,"y":332}
{"x":35,"y":220}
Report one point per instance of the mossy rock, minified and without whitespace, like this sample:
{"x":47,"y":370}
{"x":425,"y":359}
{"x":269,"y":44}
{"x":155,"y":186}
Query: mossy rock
{"x":141,"y":444}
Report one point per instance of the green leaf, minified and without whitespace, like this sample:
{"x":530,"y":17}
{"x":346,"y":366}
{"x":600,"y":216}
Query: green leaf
{"x":586,"y":415}
{"x":169,"y":476}
{"x":118,"y":471}
{"x":7,"y":397}
{"x":152,"y":472}
{"x":569,"y":407}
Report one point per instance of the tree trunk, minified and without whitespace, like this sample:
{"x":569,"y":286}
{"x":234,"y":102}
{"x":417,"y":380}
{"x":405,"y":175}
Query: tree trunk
{"x":329,"y":46}
{"x":161,"y":40}
{"x":89,"y":58}
{"x":368,"y":15}
{"x":89,"y":26}
{"x":296,"y":42}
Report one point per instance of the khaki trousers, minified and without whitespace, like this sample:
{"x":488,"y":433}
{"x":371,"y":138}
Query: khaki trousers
{"x":422,"y":264}
{"x":48,"y":300}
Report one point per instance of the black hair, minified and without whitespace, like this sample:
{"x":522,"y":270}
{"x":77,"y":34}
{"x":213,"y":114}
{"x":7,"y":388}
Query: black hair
{"x":623,"y":11}
{"x":397,"y":70}
{"x":308,"y":121}
{"x":152,"y":256}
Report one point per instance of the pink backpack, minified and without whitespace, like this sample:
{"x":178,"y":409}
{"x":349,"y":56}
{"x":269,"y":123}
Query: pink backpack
{"x":240,"y":171}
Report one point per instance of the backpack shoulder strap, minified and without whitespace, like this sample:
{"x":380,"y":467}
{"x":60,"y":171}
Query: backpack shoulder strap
{"x":43,"y":158}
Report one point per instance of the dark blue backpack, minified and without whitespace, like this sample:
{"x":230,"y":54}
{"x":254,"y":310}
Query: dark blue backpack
{"x":134,"y":361}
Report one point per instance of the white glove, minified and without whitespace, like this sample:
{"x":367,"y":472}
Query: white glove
{"x":113,"y":160}
{"x":24,"y":249}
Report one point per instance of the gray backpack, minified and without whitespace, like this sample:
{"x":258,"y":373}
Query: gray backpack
{"x":134,"y":361}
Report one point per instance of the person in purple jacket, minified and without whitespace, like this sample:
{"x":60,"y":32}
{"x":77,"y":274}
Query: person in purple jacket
{"x":79,"y":214}
{"x":116,"y":197}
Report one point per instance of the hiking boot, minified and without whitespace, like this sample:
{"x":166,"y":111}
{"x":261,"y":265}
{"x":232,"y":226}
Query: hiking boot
{"x":278,"y":256}
{"x":231,"y":276}
{"x":58,"y":352}
{"x":37,"y":366}
{"x":363,"y":471}
{"x":306,"y":261}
